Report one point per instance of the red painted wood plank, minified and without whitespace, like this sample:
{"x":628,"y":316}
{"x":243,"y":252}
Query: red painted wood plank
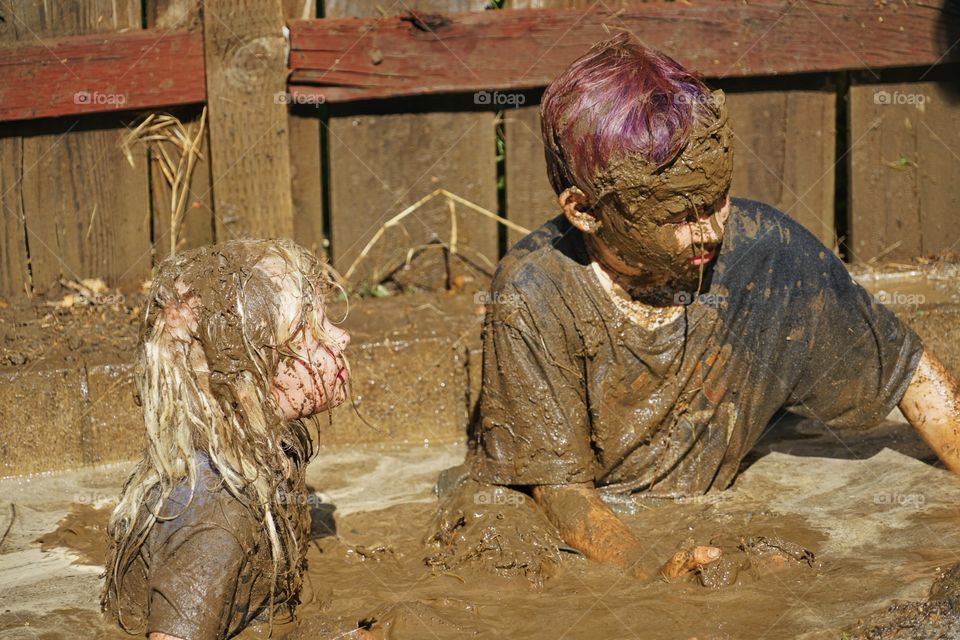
{"x":355,"y":58}
{"x":109,"y":72}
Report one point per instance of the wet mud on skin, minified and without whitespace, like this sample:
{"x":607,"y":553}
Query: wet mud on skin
{"x":813,"y":546}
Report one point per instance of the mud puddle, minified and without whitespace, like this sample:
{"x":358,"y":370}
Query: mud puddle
{"x":814,"y":548}
{"x":379,"y":580}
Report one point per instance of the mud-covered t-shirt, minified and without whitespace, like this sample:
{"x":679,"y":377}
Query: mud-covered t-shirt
{"x":576,"y":391}
{"x":205,"y":573}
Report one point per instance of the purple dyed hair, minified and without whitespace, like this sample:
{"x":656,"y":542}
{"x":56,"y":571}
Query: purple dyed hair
{"x":618,"y":98}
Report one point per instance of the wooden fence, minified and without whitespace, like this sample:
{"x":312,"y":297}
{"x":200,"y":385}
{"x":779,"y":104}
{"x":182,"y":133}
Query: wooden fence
{"x":846,"y":116}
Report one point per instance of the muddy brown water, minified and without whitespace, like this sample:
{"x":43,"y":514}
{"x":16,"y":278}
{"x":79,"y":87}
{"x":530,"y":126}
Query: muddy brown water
{"x":814,"y":543}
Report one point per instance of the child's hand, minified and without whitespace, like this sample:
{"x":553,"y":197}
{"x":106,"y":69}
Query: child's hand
{"x":687,"y":560}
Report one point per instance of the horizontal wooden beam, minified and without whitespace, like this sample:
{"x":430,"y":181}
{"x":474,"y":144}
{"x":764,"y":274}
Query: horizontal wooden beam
{"x":338,"y":60}
{"x":93,"y":74}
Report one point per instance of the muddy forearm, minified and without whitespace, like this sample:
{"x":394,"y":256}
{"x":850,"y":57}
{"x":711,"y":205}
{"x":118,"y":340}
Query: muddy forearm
{"x":932,"y":406}
{"x":587,"y":524}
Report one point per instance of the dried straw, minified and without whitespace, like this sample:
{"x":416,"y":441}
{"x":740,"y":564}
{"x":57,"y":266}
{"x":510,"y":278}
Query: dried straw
{"x":176,"y":149}
{"x":452,"y":247}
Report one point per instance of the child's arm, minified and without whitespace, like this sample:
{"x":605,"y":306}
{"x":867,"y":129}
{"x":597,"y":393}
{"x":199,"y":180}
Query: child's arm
{"x":932,"y":406}
{"x":586,"y":523}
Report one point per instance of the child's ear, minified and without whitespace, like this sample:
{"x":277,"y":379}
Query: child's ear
{"x":180,"y":317}
{"x":573,"y":201}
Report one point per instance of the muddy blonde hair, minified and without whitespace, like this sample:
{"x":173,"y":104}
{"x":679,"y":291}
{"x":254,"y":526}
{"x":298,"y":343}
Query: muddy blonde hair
{"x":218,"y":321}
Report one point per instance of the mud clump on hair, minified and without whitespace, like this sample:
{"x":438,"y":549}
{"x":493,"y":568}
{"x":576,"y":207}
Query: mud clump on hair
{"x":627,"y":118}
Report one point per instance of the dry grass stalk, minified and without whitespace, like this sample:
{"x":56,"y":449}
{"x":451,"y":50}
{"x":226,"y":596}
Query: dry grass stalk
{"x":176,"y":149}
{"x":452,"y":247}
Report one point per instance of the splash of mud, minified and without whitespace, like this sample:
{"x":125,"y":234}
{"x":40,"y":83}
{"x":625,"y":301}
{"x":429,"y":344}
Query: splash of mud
{"x":753,"y":558}
{"x":84,"y":531}
{"x":496,"y":529}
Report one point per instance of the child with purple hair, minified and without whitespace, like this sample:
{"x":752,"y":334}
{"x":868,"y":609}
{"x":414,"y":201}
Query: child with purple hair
{"x":643,"y":340}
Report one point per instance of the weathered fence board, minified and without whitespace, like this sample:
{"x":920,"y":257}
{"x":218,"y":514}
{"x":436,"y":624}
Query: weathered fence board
{"x":249,"y":135}
{"x":904,"y":169}
{"x":305,"y":162}
{"x":93,"y":74}
{"x":14,"y":274}
{"x":389,"y":56}
{"x":173,"y":15}
{"x":306,"y":179}
{"x":27,"y":20}
{"x":380,"y":164}
{"x":86,"y":211}
{"x":938,"y":157}
{"x":530,"y":198}
{"x":784,"y":150}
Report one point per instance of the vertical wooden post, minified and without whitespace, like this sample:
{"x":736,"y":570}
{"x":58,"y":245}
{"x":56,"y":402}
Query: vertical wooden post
{"x":249,"y":138}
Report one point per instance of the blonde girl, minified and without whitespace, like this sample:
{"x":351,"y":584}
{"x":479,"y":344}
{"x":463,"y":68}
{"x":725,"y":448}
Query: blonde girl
{"x":236,"y":355}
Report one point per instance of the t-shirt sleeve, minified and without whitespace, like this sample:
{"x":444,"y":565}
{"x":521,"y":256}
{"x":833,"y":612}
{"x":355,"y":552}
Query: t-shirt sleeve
{"x":861,"y":358}
{"x":194,"y":573}
{"x":533,"y":423}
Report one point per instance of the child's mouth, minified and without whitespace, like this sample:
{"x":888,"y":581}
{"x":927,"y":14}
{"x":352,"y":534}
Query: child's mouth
{"x":703,"y":258}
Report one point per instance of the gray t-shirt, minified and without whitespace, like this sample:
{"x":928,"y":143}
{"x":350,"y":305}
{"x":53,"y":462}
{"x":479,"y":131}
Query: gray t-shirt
{"x":576,"y":391}
{"x":205,"y":573}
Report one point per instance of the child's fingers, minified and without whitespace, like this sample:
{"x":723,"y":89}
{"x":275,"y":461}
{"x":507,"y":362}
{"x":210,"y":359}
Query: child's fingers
{"x":703,"y":555}
{"x":686,"y":561}
{"x":677,"y":565}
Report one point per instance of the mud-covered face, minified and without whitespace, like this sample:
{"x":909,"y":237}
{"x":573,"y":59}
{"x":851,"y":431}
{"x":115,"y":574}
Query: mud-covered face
{"x":661,"y":225}
{"x":659,"y":248}
{"x":314,"y":377}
